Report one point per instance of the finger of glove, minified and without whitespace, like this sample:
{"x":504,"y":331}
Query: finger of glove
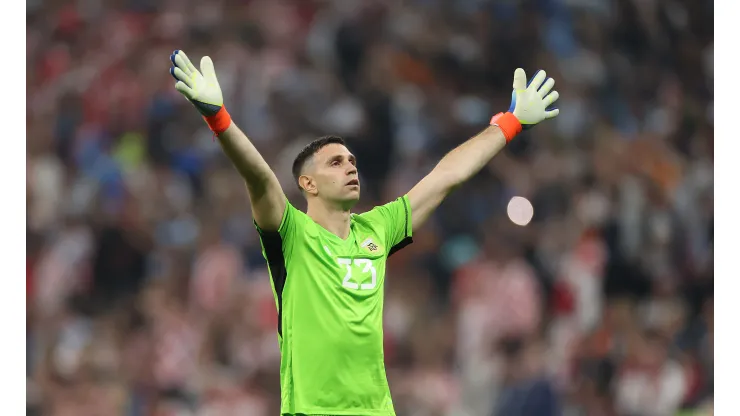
{"x":546,"y":87}
{"x":551,"y":98}
{"x":185,"y":63}
{"x":537,"y":80}
{"x":520,"y":80}
{"x":181,"y":76}
{"x":206,"y":66}
{"x":181,"y":62}
{"x":172,"y":72}
{"x":174,"y":59}
{"x":185,"y":90}
{"x":552,"y":113}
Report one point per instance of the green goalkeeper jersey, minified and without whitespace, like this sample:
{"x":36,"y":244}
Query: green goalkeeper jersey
{"x":329,"y":296}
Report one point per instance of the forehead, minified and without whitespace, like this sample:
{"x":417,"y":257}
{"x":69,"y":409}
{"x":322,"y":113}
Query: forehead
{"x":332,"y":150}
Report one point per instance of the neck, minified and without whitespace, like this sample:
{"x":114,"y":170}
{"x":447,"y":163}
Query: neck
{"x":334,"y":219}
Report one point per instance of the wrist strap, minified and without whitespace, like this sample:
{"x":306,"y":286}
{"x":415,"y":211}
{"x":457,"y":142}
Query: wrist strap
{"x":508,"y":123}
{"x":219,"y":122}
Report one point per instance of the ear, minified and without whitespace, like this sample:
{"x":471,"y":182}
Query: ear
{"x":307,"y":184}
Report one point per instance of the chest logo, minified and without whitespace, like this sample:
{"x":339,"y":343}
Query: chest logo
{"x":369,"y":245}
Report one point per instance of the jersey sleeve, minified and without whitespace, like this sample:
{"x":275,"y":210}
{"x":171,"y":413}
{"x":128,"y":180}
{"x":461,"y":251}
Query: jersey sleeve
{"x":395,"y":220}
{"x":285,"y":236}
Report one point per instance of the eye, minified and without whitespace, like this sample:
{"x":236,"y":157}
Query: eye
{"x":336,"y":163}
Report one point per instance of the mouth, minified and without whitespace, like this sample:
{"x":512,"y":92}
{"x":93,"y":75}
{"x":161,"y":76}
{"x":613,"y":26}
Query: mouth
{"x":353,"y":182}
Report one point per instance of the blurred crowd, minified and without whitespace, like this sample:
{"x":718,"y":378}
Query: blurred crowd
{"x":147,"y":293}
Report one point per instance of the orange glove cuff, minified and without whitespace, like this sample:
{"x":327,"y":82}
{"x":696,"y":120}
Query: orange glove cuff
{"x":219,"y":122}
{"x":508,"y":123}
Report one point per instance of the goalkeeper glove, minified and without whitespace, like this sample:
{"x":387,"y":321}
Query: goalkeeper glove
{"x":530,"y":104}
{"x":201,"y":89}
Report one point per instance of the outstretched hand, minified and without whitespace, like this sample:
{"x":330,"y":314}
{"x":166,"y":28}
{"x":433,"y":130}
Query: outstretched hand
{"x":531,"y":102}
{"x":200,"y":87}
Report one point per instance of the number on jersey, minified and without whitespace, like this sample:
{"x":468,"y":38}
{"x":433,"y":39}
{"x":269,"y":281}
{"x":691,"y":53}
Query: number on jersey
{"x":367,"y":268}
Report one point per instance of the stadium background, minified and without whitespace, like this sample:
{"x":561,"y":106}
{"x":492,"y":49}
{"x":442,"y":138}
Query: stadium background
{"x":146,"y":290}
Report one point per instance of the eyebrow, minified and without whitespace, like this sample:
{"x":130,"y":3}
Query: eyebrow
{"x":351,"y":158}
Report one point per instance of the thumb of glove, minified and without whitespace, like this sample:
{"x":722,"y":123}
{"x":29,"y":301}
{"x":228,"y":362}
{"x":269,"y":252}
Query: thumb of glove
{"x":520,"y":80}
{"x":206,"y":67}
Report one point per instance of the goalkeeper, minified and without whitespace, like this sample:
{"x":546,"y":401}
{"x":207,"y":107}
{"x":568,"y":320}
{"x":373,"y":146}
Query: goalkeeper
{"x":327,"y":265}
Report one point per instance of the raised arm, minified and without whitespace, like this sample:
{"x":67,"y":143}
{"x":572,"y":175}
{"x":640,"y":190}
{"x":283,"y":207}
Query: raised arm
{"x":265,"y":194}
{"x":456,"y":167}
{"x":530,"y":105}
{"x":202,"y":89}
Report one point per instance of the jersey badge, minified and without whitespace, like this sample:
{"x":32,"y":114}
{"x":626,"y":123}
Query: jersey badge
{"x":369,"y":245}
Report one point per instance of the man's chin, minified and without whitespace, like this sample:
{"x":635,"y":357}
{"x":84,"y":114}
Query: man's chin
{"x":350,"y":199}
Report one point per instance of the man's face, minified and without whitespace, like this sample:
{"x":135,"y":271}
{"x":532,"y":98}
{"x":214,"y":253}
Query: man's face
{"x":331,"y":174}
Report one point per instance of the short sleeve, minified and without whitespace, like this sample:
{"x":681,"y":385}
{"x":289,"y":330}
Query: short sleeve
{"x":286,"y":233}
{"x":395,"y":219}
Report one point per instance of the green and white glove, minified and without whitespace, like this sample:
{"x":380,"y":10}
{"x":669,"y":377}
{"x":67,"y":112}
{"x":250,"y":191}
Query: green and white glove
{"x":531,"y":103}
{"x":201,"y":89}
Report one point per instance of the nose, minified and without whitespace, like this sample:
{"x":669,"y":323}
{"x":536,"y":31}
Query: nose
{"x":352,"y":170}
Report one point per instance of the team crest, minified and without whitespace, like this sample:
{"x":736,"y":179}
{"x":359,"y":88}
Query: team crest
{"x":370,"y":245}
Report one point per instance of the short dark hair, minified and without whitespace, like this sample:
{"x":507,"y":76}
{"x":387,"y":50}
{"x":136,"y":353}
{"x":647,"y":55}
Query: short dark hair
{"x":310,"y":150}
